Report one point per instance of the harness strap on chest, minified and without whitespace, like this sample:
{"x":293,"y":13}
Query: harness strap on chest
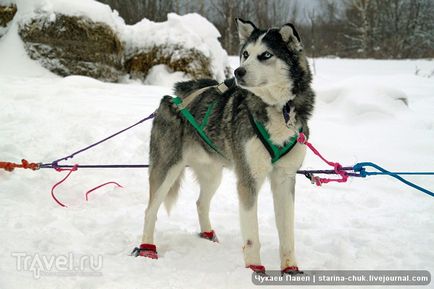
{"x":276,"y":152}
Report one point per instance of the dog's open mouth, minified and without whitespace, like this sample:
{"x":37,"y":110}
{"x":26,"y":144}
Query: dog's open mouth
{"x":242,"y":83}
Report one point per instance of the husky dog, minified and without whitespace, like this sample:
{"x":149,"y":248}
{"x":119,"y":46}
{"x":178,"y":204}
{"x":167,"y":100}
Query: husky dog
{"x":273,"y":77}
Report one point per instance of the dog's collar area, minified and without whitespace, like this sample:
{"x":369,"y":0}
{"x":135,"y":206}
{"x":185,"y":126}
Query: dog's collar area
{"x":286,"y":111}
{"x":226,"y":85}
{"x":276,"y":152}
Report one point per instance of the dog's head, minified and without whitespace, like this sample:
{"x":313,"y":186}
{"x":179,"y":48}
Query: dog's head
{"x":271,"y":62}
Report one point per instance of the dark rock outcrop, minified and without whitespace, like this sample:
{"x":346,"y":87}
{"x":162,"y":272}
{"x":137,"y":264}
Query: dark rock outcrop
{"x":190,"y":61}
{"x":74,"y":45}
{"x":7,"y":13}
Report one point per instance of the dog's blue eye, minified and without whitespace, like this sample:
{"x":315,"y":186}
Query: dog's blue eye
{"x":266,"y":55}
{"x":245,"y":54}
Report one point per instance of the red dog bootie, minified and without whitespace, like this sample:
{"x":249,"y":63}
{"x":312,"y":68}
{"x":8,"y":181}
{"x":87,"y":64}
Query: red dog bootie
{"x":258,"y":269}
{"x":291,"y":270}
{"x":209,"y":236}
{"x":146,"y":250}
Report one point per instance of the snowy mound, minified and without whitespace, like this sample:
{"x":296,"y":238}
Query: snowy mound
{"x":358,"y":100}
{"x":72,"y":45}
{"x":187,"y":44}
{"x":190,"y":31}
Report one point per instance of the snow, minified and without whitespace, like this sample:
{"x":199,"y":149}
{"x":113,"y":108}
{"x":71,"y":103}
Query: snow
{"x":14,"y":59}
{"x":7,"y":2}
{"x":3,"y":30}
{"x":98,"y":12}
{"x":163,"y":76}
{"x":374,"y":223}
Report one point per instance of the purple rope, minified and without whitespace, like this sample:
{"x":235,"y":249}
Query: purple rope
{"x":328,"y":172}
{"x":138,"y":166}
{"x":325,"y":171}
{"x":55,"y":164}
{"x":51,"y":166}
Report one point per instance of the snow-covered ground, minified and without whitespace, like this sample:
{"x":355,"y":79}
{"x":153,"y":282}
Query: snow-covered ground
{"x":374,"y":223}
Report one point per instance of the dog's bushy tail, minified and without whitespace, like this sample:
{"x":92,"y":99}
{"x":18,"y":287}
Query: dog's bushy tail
{"x":172,"y":195}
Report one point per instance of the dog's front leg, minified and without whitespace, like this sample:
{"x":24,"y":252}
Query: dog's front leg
{"x":283,"y":187}
{"x":249,"y":226}
{"x":251,"y":175}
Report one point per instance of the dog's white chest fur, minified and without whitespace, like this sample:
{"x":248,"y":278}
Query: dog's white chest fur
{"x":280,"y":131}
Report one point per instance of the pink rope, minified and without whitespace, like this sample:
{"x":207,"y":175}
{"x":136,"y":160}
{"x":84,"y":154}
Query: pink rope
{"x":73,"y":169}
{"x":336,"y":166}
{"x":97,"y":187}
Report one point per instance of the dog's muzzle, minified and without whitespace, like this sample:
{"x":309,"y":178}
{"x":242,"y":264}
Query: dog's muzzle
{"x":240,"y":72}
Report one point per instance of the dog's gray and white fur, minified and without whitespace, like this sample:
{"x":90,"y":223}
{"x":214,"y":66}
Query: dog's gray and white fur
{"x":273,"y":70}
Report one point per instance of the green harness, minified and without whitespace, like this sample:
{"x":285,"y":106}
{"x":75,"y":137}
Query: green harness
{"x":198,"y":127}
{"x":276,"y":152}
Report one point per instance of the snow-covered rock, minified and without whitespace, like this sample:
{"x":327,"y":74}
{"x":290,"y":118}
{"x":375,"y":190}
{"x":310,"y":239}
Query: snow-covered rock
{"x":187,"y":43}
{"x":86,"y":37}
{"x":68,"y":45}
{"x":7,"y":13}
{"x":189,"y":61}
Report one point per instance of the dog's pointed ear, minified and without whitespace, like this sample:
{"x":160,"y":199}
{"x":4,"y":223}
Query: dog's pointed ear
{"x":289,"y":33}
{"x":245,"y":28}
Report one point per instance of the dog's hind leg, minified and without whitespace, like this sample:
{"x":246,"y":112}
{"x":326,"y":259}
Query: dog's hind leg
{"x":159,"y":184}
{"x":209,"y":178}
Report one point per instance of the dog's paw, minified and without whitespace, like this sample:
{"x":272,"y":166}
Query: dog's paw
{"x":209,"y":236}
{"x":292,"y":270}
{"x":145,"y":250}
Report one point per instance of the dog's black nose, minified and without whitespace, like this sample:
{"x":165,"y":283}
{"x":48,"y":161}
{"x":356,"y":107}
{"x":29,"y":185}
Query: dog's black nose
{"x":240,"y":72}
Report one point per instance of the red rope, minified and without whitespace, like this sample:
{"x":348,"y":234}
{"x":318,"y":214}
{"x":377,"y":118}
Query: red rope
{"x":8,"y":166}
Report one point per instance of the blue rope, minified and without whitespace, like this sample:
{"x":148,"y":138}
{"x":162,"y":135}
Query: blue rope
{"x":402,"y":173}
{"x":360,"y":167}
